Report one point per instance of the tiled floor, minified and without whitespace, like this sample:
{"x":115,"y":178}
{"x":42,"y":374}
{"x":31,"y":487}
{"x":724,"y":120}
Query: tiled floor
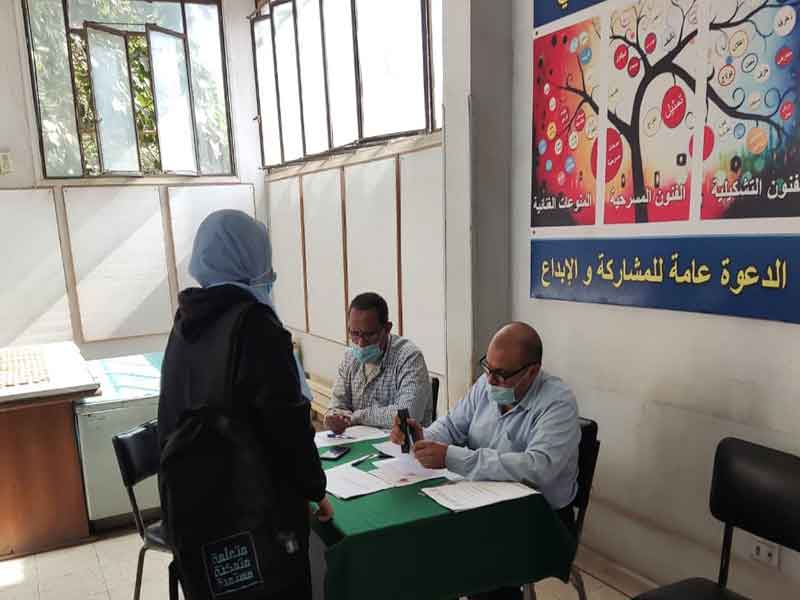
{"x":106,"y":570}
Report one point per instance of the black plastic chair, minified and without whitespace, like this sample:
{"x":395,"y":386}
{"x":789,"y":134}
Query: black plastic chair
{"x":435,"y":396}
{"x":138,"y":455}
{"x":754,"y":488}
{"x":588,"y":451}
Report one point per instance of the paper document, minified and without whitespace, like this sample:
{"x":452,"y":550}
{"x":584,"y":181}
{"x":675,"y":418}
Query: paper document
{"x":357,"y":433}
{"x":389,"y":448}
{"x":345,"y":482}
{"x":467,"y":495}
{"x":405,"y":470}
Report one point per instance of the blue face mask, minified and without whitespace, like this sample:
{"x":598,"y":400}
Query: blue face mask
{"x":503,"y":396}
{"x":368,"y":354}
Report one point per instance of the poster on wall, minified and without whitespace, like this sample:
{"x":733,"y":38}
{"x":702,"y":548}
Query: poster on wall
{"x":565,"y":125}
{"x":752,"y":153}
{"x":651,"y":111}
{"x":546,"y":11}
{"x":745,"y":276}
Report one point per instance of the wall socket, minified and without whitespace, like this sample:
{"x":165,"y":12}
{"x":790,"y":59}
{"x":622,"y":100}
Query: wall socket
{"x":6,"y":166}
{"x":765,"y":552}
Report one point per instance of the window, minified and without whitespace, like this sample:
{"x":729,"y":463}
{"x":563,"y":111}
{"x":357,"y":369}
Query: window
{"x":130,"y":87}
{"x":336,"y":74}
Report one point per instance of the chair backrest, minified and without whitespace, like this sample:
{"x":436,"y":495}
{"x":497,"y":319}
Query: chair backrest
{"x":434,"y":395}
{"x":757,"y":489}
{"x":138,"y":455}
{"x":588,"y":452}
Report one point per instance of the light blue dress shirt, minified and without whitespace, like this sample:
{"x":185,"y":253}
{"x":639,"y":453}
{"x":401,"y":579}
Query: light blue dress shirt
{"x":535,"y":442}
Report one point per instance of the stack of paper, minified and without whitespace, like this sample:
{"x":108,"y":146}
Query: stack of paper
{"x":405,"y":470}
{"x":467,"y":495}
{"x":345,"y":482}
{"x":357,"y":433}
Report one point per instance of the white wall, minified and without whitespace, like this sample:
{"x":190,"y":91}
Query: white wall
{"x":19,"y":135}
{"x":665,"y":387}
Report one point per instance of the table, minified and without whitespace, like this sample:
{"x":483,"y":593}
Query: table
{"x":404,"y":545}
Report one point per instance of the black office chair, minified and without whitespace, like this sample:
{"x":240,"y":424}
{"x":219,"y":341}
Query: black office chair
{"x":138,"y":455}
{"x":756,"y":489}
{"x":588,"y":451}
{"x":435,"y":394}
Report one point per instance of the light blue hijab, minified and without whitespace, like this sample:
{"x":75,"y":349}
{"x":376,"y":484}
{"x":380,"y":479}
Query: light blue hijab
{"x":232,"y":248}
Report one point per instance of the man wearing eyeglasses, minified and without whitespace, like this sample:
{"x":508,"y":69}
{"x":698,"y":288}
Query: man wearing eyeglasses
{"x":517,"y":423}
{"x":380,"y":374}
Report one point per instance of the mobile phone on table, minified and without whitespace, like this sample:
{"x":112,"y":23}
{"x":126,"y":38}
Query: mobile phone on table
{"x":335,"y":453}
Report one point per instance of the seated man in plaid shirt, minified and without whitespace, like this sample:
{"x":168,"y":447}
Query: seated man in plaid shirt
{"x":380,"y":373}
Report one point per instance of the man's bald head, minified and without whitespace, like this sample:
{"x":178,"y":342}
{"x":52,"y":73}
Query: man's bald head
{"x":519,"y":342}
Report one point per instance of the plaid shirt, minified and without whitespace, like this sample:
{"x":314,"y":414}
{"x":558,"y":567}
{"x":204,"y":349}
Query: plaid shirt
{"x":373,"y":396}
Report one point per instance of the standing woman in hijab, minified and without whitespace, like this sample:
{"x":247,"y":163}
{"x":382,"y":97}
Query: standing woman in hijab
{"x":227,"y":335}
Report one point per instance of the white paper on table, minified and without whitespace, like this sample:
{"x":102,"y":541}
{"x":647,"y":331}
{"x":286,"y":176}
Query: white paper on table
{"x":389,"y":448}
{"x":345,"y":482}
{"x":467,"y":495}
{"x":405,"y":470}
{"x":356,"y":433}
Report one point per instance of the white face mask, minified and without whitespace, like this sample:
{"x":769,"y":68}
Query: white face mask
{"x":503,"y":396}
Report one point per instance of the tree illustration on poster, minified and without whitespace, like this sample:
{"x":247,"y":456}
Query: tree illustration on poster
{"x":565,"y":126}
{"x":752,"y":111}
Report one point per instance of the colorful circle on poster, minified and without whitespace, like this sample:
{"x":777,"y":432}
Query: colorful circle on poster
{"x":739,"y":43}
{"x":621,"y":55}
{"x":757,"y":141}
{"x":542,"y":148}
{"x":727,"y":75}
{"x":754,"y":101}
{"x":558,"y":147}
{"x":673,"y":106}
{"x":736,"y":164}
{"x":613,"y":154}
{"x":586,"y":56}
{"x":650,"y":43}
{"x":573,"y":140}
{"x":561,"y":178}
{"x":762,"y":73}
{"x":721,"y":46}
{"x":546,"y":89}
{"x":552,"y":130}
{"x":580,"y":120}
{"x":563,"y":115}
{"x":548,"y":166}
{"x":569,"y":164}
{"x":785,"y":21}
{"x":739,"y":131}
{"x":709,"y":140}
{"x":584,"y":37}
{"x":750,"y":62}
{"x":634,"y":66}
{"x":787,"y":110}
{"x":784,"y":57}
{"x":552,"y":104}
{"x":574,"y":45}
{"x":591,"y":128}
{"x":652,"y":122}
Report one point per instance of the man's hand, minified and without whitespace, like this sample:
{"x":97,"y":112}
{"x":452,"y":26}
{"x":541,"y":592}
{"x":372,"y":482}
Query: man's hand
{"x":325,"y":511}
{"x":431,"y":455}
{"x":397,"y":435}
{"x":337,"y":423}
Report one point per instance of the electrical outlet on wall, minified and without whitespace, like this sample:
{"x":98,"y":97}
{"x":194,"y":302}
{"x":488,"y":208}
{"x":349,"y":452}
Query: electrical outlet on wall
{"x":765,"y":552}
{"x":6,"y":166}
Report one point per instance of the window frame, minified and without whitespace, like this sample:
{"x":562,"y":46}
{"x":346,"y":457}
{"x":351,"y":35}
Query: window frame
{"x":68,"y":32}
{"x":263,"y":10}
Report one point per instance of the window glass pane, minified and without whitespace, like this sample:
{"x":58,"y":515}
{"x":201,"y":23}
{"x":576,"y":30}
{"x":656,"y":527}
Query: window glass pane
{"x":112,"y":99}
{"x":315,"y":112}
{"x":392,"y":74}
{"x":286,"y":53}
{"x":123,"y":13}
{"x":173,"y":106}
{"x":62,"y":155}
{"x":437,"y":51}
{"x":86,"y":122}
{"x":144,"y":105}
{"x":341,"y":70}
{"x":268,"y":102}
{"x":208,"y":87}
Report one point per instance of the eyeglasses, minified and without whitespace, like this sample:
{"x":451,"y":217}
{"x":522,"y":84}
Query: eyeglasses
{"x":499,"y":374}
{"x":367,"y":336}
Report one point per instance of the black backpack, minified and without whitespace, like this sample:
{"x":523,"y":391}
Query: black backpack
{"x":218,"y":499}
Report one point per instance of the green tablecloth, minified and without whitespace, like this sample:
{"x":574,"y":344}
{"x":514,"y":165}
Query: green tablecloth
{"x":403,"y":544}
